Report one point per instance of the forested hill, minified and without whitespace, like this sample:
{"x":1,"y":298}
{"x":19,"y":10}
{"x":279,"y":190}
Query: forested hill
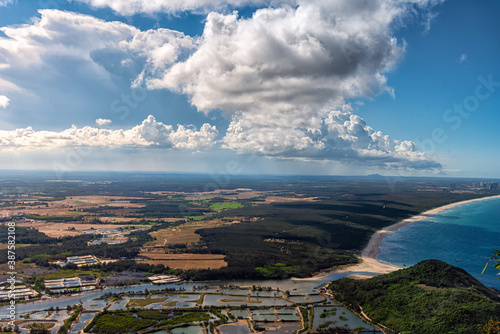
{"x":430,"y":297}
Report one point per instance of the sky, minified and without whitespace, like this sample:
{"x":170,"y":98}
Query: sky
{"x":226,"y":87}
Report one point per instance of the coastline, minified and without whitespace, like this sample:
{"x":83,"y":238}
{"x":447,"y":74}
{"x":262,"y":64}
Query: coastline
{"x":368,"y":261}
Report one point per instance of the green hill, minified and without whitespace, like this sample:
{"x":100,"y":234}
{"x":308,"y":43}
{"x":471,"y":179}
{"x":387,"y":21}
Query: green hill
{"x":430,"y":297}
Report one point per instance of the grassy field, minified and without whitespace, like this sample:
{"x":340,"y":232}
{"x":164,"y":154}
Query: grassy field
{"x":181,"y":256}
{"x":192,"y":264}
{"x":218,"y":206}
{"x":196,"y":217}
{"x":82,"y":203}
{"x":66,"y":273}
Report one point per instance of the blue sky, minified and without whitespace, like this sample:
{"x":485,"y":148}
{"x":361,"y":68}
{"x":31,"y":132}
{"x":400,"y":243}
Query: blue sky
{"x":234,"y":86}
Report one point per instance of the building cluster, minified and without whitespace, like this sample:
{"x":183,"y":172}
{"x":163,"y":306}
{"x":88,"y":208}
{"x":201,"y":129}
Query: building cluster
{"x":85,"y":260}
{"x":72,"y":284}
{"x":489,"y":185}
{"x":164,"y":279}
{"x":20,"y":292}
{"x":108,"y":241}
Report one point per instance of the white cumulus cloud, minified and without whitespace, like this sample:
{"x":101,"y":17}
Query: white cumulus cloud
{"x":102,"y":121}
{"x":317,"y":53}
{"x":276,"y":73}
{"x":337,"y":135}
{"x":283,"y":76}
{"x":4,"y":101}
{"x":80,"y":55}
{"x":130,"y":7}
{"x":150,"y":133}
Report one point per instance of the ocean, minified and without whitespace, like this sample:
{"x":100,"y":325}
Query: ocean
{"x":463,"y":236}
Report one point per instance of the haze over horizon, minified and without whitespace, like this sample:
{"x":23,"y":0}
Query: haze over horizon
{"x":408,"y":88}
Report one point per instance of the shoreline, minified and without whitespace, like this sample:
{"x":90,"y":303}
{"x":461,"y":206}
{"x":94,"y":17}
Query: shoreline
{"x":368,"y":261}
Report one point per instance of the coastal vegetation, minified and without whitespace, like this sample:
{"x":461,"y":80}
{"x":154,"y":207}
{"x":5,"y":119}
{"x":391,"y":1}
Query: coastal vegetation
{"x":430,"y":297}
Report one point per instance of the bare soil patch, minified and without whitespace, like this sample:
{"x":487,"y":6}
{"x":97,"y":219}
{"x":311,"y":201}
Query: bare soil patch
{"x":282,"y":199}
{"x":185,"y":233}
{"x":71,"y":205}
{"x":192,"y":264}
{"x":181,"y":257}
{"x":137,"y":219}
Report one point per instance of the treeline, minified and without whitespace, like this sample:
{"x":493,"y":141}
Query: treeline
{"x":131,"y":265}
{"x":431,"y":297}
{"x":57,"y":219}
{"x":25,"y":235}
{"x":171,"y":209}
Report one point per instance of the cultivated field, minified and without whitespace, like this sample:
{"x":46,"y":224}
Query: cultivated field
{"x":56,"y":230}
{"x":68,"y":206}
{"x":185,"y":233}
{"x":189,"y":264}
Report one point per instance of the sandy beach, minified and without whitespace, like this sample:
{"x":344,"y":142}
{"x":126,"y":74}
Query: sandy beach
{"x":368,"y":263}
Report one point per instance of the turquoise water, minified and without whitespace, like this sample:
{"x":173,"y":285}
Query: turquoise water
{"x":463,"y":236}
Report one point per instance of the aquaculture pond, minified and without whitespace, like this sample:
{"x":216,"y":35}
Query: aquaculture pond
{"x":240,"y":313}
{"x":85,"y":318}
{"x":264,"y":317}
{"x":329,"y":317}
{"x":226,"y":300}
{"x":119,"y":304}
{"x":240,"y":327}
{"x":263,"y":311}
{"x":281,"y":328}
{"x":94,"y":305}
{"x":55,"y":319}
{"x":289,"y":317}
{"x":306,"y":299}
{"x":187,"y":330}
